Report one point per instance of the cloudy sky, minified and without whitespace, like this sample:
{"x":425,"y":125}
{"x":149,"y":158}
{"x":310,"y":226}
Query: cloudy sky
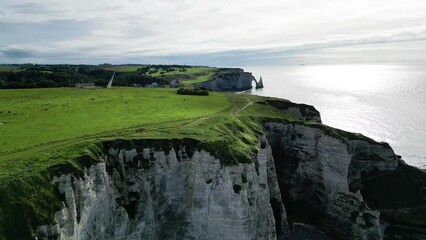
{"x":219,"y":32}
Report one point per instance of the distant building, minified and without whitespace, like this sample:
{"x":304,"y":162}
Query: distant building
{"x":85,"y":85}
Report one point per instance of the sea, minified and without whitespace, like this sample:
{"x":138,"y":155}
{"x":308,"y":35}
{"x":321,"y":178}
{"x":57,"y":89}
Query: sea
{"x":384,"y":102}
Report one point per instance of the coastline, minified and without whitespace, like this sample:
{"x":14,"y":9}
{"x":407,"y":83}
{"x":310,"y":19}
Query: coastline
{"x":383,"y":104}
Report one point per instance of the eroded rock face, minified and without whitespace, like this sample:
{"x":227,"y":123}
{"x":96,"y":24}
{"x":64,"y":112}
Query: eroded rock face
{"x":313,"y":174}
{"x":235,"y":81}
{"x":400,"y":196}
{"x":343,"y":184}
{"x":147,"y":194}
{"x":302,"y":111}
{"x":347,"y":216}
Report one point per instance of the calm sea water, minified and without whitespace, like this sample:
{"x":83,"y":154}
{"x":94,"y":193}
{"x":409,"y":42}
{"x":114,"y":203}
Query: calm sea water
{"x":384,"y":102}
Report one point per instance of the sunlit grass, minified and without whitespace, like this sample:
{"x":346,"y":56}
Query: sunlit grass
{"x":39,"y":116}
{"x":42,"y":127}
{"x":123,"y":68}
{"x":190,"y":75}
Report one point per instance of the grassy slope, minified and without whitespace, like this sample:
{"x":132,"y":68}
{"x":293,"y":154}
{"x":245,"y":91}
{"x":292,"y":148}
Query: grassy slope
{"x":44,"y":126}
{"x":34,"y":117}
{"x":49,"y":127}
{"x":43,"y":121}
{"x":191,"y":76}
{"x":122,"y":68}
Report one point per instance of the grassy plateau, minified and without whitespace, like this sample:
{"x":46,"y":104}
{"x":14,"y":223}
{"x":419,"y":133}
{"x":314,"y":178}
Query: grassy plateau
{"x":41,"y":129}
{"x":190,"y":76}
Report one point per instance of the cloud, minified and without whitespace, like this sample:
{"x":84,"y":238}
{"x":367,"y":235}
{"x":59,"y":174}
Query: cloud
{"x":206,"y":31}
{"x":31,"y":8}
{"x":16,"y":53}
{"x":42,"y":34}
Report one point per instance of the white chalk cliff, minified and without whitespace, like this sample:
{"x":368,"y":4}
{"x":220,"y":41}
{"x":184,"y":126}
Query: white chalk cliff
{"x":302,"y":173}
{"x":151,"y":194}
{"x":233,"y":80}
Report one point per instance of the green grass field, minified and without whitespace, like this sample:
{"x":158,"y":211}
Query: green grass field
{"x":191,"y":75}
{"x":39,"y":116}
{"x":47,"y":129}
{"x":202,"y":76}
{"x":41,"y":127}
{"x":122,"y":68}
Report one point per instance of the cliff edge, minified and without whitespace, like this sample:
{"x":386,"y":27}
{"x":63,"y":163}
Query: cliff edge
{"x":229,"y":79}
{"x":255,"y":168}
{"x":343,"y":185}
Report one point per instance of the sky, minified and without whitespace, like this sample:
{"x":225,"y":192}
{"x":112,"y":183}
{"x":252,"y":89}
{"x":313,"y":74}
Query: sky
{"x":219,"y":32}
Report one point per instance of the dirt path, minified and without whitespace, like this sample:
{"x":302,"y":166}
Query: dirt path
{"x":250,"y":102}
{"x":197,"y":121}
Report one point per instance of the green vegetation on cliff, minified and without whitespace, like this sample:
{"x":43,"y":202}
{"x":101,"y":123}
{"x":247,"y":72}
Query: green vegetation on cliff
{"x":47,"y":131}
{"x":50,"y":125}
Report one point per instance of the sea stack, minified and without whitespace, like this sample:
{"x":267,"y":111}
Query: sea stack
{"x":259,"y":84}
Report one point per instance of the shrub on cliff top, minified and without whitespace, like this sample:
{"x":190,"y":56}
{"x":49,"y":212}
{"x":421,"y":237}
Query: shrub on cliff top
{"x":193,"y":91}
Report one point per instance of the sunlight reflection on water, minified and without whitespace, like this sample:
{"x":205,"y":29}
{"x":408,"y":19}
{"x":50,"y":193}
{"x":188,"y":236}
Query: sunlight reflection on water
{"x":384,"y":102}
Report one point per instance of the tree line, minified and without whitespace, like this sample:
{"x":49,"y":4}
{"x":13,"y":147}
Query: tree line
{"x":46,"y":76}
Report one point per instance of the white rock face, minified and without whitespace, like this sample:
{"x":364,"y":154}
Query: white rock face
{"x":149,"y":194}
{"x":234,"y":82}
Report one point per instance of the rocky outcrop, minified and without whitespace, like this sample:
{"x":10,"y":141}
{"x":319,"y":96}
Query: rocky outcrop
{"x":231,"y":79}
{"x":305,"y":112}
{"x":336,"y":181}
{"x":142,"y":193}
{"x":400,"y":196}
{"x":259,"y":84}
